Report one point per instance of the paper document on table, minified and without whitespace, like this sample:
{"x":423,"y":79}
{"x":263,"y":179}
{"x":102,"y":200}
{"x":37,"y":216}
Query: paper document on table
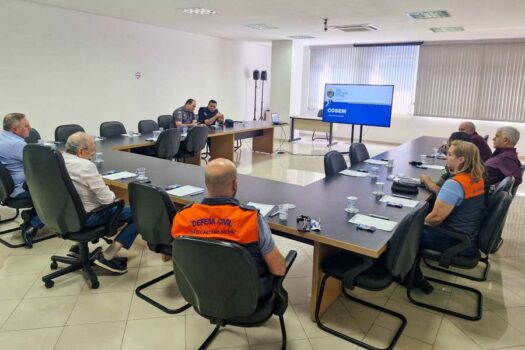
{"x":406,"y":202}
{"x":151,"y":139}
{"x":349,"y":172}
{"x":376,"y":162}
{"x":186,"y":190}
{"x":119,"y":175}
{"x":263,"y":208}
{"x":133,"y":135}
{"x":431,"y":166}
{"x":380,"y":224}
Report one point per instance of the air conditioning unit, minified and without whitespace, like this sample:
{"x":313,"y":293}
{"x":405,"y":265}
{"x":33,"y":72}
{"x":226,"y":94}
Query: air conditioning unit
{"x":352,"y":28}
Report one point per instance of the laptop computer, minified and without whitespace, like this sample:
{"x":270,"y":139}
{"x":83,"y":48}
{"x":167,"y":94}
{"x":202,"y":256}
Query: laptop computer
{"x":275,"y":119}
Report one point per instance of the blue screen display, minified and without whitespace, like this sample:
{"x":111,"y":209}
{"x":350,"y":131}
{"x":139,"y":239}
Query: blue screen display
{"x":358,"y":104}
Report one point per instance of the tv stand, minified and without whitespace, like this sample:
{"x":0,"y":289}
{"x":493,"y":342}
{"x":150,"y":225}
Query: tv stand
{"x":360,"y":134}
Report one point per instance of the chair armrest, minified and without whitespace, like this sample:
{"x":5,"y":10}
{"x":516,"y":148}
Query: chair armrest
{"x":280,"y":293}
{"x":449,"y":254}
{"x":350,"y":275}
{"x":113,"y":222}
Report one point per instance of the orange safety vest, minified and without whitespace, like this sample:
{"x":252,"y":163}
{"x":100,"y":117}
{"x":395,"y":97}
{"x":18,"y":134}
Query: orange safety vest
{"x":470,"y":188}
{"x":225,"y":222}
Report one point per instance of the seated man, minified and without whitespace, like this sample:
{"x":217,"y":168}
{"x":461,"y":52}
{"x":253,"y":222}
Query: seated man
{"x":445,"y":174}
{"x":504,"y":162}
{"x":459,"y":205}
{"x":470,"y":129}
{"x":244,"y":224}
{"x":210,"y":115}
{"x":184,"y":116}
{"x":12,"y":143}
{"x":94,"y":193}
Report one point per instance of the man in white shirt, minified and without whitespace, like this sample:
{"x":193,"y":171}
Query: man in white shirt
{"x":94,"y":193}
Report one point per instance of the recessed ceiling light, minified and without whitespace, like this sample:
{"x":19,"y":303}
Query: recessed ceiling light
{"x":198,"y":11}
{"x":300,"y":37}
{"x":447,"y":29}
{"x":429,"y":14}
{"x":260,"y":26}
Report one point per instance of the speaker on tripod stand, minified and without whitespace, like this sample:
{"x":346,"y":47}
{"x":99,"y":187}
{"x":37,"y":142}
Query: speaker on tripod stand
{"x":263,"y":79}
{"x":256,"y":78}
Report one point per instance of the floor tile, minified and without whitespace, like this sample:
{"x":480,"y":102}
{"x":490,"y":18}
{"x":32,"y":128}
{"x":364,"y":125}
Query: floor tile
{"x":20,"y":265}
{"x":103,"y":307}
{"x":41,"y":312}
{"x":514,"y":316}
{"x":169,"y":297}
{"x":15,"y":286}
{"x":332,"y":343}
{"x":381,"y":337}
{"x":35,"y":339}
{"x":158,"y":333}
{"x":299,"y":289}
{"x":270,"y":332}
{"x":102,"y":336}
{"x":70,"y":284}
{"x":291,"y":345}
{"x":146,"y":274}
{"x":110,"y":282}
{"x":451,"y":337}
{"x":198,"y":328}
{"x":6,"y":308}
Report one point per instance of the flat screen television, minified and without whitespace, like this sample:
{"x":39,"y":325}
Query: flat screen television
{"x":358,"y":104}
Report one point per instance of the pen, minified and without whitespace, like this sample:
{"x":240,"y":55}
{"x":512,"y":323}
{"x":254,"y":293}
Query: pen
{"x":273,"y":214}
{"x":363,"y":170}
{"x":378,"y":216}
{"x":400,"y":196}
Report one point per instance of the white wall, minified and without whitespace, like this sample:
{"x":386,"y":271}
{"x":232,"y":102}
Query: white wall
{"x":405,"y":128}
{"x":60,"y":66}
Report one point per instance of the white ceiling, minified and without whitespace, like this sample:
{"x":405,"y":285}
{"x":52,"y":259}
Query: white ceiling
{"x":482,"y":19}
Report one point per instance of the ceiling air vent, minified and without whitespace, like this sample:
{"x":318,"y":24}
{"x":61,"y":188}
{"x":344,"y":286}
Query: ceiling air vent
{"x":352,"y":28}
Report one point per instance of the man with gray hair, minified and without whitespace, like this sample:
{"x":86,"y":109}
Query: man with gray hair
{"x":504,"y":162}
{"x":12,"y":143}
{"x":470,"y":129}
{"x":94,"y":193}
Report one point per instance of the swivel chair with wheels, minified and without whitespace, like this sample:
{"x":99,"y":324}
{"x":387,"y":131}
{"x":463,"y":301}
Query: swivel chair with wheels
{"x":224,"y":286}
{"x":153,"y":214}
{"x":58,"y":204}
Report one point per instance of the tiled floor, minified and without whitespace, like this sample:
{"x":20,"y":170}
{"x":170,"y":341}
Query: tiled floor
{"x":71,"y":316}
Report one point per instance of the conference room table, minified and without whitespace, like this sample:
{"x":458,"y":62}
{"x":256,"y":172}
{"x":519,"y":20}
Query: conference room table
{"x":222,"y":140}
{"x":324,"y":199}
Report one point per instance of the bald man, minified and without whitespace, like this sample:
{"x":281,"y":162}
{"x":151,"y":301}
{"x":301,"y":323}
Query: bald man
{"x":221,"y":213}
{"x":470,"y":129}
{"x":94,"y":193}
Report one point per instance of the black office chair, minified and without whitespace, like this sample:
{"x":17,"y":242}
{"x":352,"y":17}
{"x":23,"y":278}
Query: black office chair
{"x":58,"y":205}
{"x":319,"y":115}
{"x":194,"y":143}
{"x":358,"y":153}
{"x":515,"y":188}
{"x":507,"y":185}
{"x":223,"y":286}
{"x":147,"y":126}
{"x":334,"y":162}
{"x":109,"y":129}
{"x":168,"y":144}
{"x":165,"y":121}
{"x":375,"y":274}
{"x":153,"y":214}
{"x":33,"y":137}
{"x":490,"y":229}
{"x":6,"y":188}
{"x":62,"y":132}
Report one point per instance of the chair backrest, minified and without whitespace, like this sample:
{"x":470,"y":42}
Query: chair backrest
{"x":358,"y":153}
{"x":33,"y":137}
{"x":7,"y":185}
{"x":153,"y":214}
{"x":515,"y":188}
{"x":486,"y":138}
{"x":320,"y":113}
{"x":62,"y":132}
{"x":165,"y":121}
{"x":334,"y":162}
{"x":109,"y":129}
{"x":494,"y":218}
{"x":224,"y":282}
{"x":54,"y":196}
{"x":196,"y":139}
{"x":403,"y":247}
{"x":505,"y":185}
{"x":168,"y":143}
{"x":147,"y":126}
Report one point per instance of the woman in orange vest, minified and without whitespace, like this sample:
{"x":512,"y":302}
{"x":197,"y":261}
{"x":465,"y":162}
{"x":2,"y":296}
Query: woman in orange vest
{"x":459,"y":205}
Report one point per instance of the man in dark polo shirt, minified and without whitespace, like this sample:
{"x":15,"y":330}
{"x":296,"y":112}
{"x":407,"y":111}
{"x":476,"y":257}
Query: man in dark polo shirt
{"x":184,"y":116}
{"x":210,"y":115}
{"x":470,"y":129}
{"x":504,"y":162}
